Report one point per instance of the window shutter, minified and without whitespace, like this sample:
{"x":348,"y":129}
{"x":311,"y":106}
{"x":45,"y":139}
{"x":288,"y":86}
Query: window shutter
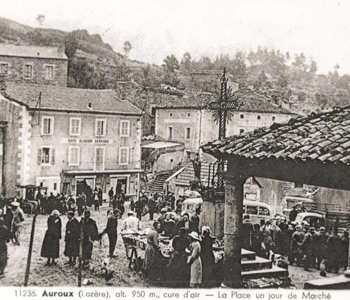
{"x":39,"y":156}
{"x":52,"y":156}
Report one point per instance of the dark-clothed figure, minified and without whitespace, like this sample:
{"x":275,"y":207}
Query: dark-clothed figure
{"x":80,"y":204}
{"x":51,"y":244}
{"x":111,"y":195}
{"x":184,"y":223}
{"x":320,"y":241}
{"x":71,"y":205}
{"x":293,"y":214}
{"x":90,"y":234}
{"x":178,"y":269}
{"x":139,"y":209}
{"x":345,"y":249}
{"x":334,"y":245}
{"x":8,"y":220}
{"x":307,"y":247}
{"x":5,"y":236}
{"x":112,"y":231}
{"x":195,"y":221}
{"x":207,"y":257}
{"x":297,"y":238}
{"x":153,"y":254}
{"x":247,"y":232}
{"x":169,"y":226}
{"x":100,"y":196}
{"x":152,"y":205}
{"x":257,"y":239}
{"x":52,"y":202}
{"x":96,"y":200}
{"x":72,"y":239}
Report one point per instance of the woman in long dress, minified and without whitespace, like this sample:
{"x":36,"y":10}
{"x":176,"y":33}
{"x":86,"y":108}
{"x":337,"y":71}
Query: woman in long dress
{"x":51,"y":244}
{"x":153,"y":255}
{"x":194,"y":260}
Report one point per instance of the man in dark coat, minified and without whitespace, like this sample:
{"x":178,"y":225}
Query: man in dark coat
{"x":90,"y":234}
{"x":80,"y":204}
{"x":100,"y":196}
{"x":184,"y":223}
{"x":112,"y":231}
{"x":320,"y":246}
{"x":111,"y":195}
{"x":51,"y":244}
{"x":152,"y":205}
{"x":293,"y":214}
{"x":52,"y":202}
{"x":307,"y":246}
{"x":195,"y":220}
{"x":139,"y":209}
{"x":72,"y":239}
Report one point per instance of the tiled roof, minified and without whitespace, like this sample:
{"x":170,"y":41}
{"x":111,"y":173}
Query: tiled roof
{"x":187,"y":175}
{"x":31,"y":51}
{"x":69,"y":99}
{"x":323,"y":137}
{"x":247,"y":100}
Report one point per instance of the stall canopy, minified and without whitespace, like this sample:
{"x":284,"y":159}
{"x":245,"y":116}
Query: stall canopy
{"x":313,"y":150}
{"x":161,"y":145}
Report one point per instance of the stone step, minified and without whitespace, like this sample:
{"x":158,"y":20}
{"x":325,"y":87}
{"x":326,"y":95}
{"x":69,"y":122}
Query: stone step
{"x":258,"y":264}
{"x":273,"y":272}
{"x":247,"y":255}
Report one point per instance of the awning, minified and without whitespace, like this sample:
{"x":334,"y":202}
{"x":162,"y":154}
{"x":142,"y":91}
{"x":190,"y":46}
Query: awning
{"x":107,"y":172}
{"x":161,"y":145}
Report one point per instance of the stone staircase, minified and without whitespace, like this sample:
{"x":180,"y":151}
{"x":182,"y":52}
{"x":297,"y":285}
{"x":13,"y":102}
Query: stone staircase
{"x":254,"y":267}
{"x":157,"y":184}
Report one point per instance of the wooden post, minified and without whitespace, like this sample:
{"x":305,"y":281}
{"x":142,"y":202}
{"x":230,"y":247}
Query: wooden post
{"x":29,"y":258}
{"x":80,"y":253}
{"x":232,"y":229}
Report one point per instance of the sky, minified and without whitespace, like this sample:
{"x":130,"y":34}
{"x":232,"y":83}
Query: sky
{"x":157,"y":28}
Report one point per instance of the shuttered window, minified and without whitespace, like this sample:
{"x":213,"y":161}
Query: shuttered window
{"x":46,"y":156}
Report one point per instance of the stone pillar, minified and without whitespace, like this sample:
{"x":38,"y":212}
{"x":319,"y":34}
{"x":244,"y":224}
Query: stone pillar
{"x":232,"y":229}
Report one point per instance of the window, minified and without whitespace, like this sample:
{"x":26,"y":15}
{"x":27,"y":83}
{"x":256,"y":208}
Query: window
{"x":99,"y":158}
{"x":188,"y":114}
{"x":46,"y":155}
{"x":124,"y":128}
{"x":241,"y":116}
{"x":28,"y":71}
{"x":241,"y":131}
{"x":273,"y":118}
{"x":4,"y":68}
{"x":252,"y":210}
{"x":47,"y":126}
{"x":153,"y":111}
{"x":258,"y":117}
{"x":48,"y":72}
{"x":188,"y":133}
{"x":170,"y":133}
{"x":100,"y":128}
{"x":74,"y":156}
{"x":263,"y":211}
{"x":75,"y":126}
{"x":170,"y":114}
{"x":123,"y":155}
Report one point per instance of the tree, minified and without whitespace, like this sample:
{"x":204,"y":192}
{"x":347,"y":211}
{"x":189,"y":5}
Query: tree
{"x":41,"y":19}
{"x":186,"y":63}
{"x":299,"y":61}
{"x":313,"y":66}
{"x":127,"y":48}
{"x":71,"y":44}
{"x":171,"y":63}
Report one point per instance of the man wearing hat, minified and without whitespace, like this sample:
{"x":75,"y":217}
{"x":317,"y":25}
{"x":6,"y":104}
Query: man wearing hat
{"x":72,"y":238}
{"x":320,"y":246}
{"x":307,"y":247}
{"x":90,"y":234}
{"x":17,"y":221}
{"x":297,"y":239}
{"x":131,"y":223}
{"x":112,"y":230}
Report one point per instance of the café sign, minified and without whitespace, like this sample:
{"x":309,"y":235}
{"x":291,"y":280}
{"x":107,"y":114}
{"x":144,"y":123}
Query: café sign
{"x":86,"y":141}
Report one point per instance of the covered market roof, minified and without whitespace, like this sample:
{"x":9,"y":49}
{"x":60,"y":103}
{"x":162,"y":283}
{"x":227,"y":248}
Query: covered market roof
{"x":69,"y":99}
{"x":322,"y":137}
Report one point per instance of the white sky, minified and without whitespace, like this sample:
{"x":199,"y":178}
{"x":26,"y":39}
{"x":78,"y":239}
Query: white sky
{"x":157,"y":28}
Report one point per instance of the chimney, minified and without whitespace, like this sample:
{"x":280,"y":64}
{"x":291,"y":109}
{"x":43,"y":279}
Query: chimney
{"x":2,"y":84}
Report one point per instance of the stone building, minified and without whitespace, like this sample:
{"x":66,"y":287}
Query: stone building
{"x":68,"y":139}
{"x":34,"y":65}
{"x":188,"y":121}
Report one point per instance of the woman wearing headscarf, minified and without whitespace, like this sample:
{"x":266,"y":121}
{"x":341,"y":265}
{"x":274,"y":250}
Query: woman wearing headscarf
{"x":153,"y":254}
{"x":5,"y":236}
{"x":51,"y":244}
{"x":194,"y":260}
{"x":207,"y":257}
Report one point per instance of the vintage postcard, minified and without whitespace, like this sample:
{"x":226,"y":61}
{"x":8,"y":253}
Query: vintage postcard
{"x":174,"y":149}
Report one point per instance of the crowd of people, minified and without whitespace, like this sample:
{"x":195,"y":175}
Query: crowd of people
{"x":302,"y":245}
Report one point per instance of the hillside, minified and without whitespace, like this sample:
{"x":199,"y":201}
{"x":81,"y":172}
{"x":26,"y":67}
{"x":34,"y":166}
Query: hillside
{"x":292,"y":80}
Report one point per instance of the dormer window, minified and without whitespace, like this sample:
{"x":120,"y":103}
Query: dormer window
{"x":89,"y":106}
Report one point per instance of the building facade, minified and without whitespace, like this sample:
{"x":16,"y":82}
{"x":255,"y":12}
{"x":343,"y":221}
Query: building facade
{"x":189,"y":122}
{"x":70,"y":140}
{"x":34,"y":65}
